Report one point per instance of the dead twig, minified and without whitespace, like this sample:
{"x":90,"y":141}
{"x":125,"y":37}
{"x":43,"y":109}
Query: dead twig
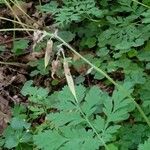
{"x":14,"y":64}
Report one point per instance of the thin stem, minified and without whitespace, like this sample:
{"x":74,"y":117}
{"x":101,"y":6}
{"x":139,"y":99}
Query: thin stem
{"x":19,"y":7}
{"x":88,"y":62}
{"x":109,"y":78}
{"x":93,"y":66}
{"x":93,"y":128}
{"x":10,"y":40}
{"x":13,"y":64}
{"x":15,"y":15}
{"x":14,"y":21}
{"x":144,"y":5}
{"x":17,"y":29}
{"x":90,"y":124}
{"x":40,"y":3}
{"x":14,"y":33}
{"x":80,"y":110}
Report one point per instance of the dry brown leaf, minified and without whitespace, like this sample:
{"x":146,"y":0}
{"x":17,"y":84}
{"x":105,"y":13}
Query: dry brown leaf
{"x":22,"y":8}
{"x":5,"y":114}
{"x":48,"y":52}
{"x":38,"y":37}
{"x":55,"y":66}
{"x":69,"y":78}
{"x":33,"y":56}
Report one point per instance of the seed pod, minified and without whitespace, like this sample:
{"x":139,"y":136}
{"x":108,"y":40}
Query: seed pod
{"x":69,"y":79}
{"x":55,"y":65}
{"x":48,"y":52}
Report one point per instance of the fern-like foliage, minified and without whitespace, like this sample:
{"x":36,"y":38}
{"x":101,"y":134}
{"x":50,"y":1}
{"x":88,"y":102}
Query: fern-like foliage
{"x":131,"y":135}
{"x":145,"y":146}
{"x":35,"y":94}
{"x":38,"y":98}
{"x":18,"y":131}
{"x":72,"y":10}
{"x":67,"y":139}
{"x":122,"y":37}
{"x":71,"y":128}
{"x":120,"y":31}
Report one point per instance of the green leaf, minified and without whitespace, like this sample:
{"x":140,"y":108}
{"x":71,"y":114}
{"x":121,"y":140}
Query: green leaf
{"x":79,"y":139}
{"x":2,"y":48}
{"x":90,"y":42}
{"x":145,"y":146}
{"x":92,"y":101}
{"x":108,"y":134}
{"x":144,"y":92}
{"x":63,"y":118}
{"x":20,"y":46}
{"x":144,"y":56}
{"x":130,"y":135}
{"x":49,"y":7}
{"x":72,"y":10}
{"x":99,"y":123}
{"x":16,"y":134}
{"x":70,"y":139}
{"x":147,"y":17}
{"x":26,"y":138}
{"x":148,"y":66}
{"x":18,"y":123}
{"x":19,"y":111}
{"x":80,"y":79}
{"x":40,"y":68}
{"x":66,"y":95}
{"x":1,"y":142}
{"x":132,"y":53}
{"x":66,"y":35}
{"x":102,"y":51}
{"x":48,"y":140}
{"x":117,"y":107}
{"x":36,"y":95}
{"x":27,"y":88}
{"x":112,"y":147}
{"x":11,"y":142}
{"x":123,"y":37}
{"x":2,"y":2}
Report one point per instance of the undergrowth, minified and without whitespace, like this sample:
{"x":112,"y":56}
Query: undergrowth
{"x":113,"y":42}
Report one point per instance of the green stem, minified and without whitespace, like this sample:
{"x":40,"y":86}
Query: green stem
{"x":82,"y":113}
{"x":109,"y":78}
{"x":90,"y":124}
{"x":144,"y":5}
{"x":93,"y":66}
